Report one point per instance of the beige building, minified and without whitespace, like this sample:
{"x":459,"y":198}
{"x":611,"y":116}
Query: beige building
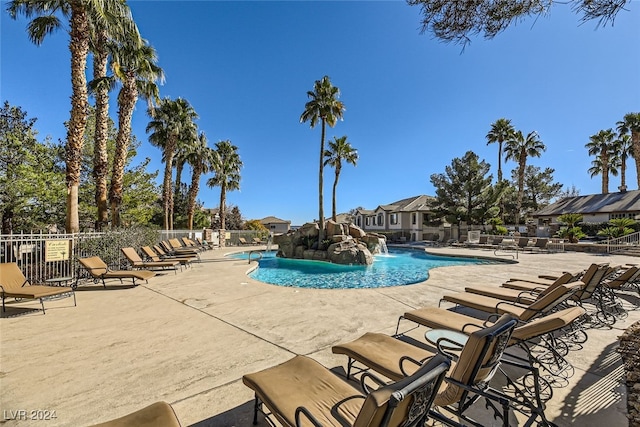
{"x":405,"y":219}
{"x":276,"y":225}
{"x":594,"y":208}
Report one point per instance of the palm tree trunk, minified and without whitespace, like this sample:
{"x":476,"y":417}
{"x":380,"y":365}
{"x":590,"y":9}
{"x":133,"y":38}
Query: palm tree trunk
{"x":321,"y":186}
{"x":522,"y":166}
{"x":127,"y":99}
{"x":79,"y":47}
{"x":100,"y":157}
{"x":221,"y":211}
{"x":635,"y":143}
{"x":499,"y":161}
{"x":334,"y":215}
{"x":167,"y":190}
{"x":623,"y":175}
{"x":193,"y":193}
{"x":605,"y":171}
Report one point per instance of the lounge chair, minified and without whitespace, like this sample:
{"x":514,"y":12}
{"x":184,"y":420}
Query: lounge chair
{"x":190,"y":244}
{"x":548,"y":279}
{"x":178,"y":247}
{"x":257,"y":241}
{"x":159,"y":414}
{"x":525,"y":296}
{"x":522,"y":243}
{"x":100,"y":271}
{"x":170,"y":254}
{"x":137,"y":262}
{"x":176,"y":250}
{"x":303,"y":392}
{"x":468,"y":380}
{"x":541,"y":334}
{"x":524,"y":312}
{"x":243,"y":241}
{"x":154,"y":256}
{"x":13,"y":284}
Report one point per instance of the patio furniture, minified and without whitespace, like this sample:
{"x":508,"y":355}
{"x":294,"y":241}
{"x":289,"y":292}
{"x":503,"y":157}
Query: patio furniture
{"x":137,"y":262}
{"x":545,"y":340}
{"x":100,"y":271}
{"x":524,"y":312}
{"x":467,"y":382}
{"x":155,"y":256}
{"x":303,"y":392}
{"x":13,"y":284}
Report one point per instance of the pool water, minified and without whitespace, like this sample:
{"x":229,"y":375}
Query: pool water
{"x":399,"y":267}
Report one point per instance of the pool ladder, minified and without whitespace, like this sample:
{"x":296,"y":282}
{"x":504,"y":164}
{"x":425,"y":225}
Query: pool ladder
{"x":255,"y":259}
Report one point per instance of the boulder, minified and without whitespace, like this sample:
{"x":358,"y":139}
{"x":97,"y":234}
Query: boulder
{"x":356,"y":232}
{"x":310,"y":229}
{"x":333,"y":228}
{"x":356,"y":247}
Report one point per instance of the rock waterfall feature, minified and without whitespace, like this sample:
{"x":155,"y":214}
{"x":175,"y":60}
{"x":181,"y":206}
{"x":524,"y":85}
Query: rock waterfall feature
{"x":343,"y":244}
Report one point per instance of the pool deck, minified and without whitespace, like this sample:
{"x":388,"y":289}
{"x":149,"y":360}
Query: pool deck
{"x":188,"y":338}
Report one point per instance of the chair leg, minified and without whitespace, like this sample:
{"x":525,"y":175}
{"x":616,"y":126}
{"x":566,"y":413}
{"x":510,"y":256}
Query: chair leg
{"x":42,"y":304}
{"x":255,"y":410}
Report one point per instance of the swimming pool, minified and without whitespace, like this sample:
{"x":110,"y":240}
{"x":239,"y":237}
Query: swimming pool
{"x":399,"y":267}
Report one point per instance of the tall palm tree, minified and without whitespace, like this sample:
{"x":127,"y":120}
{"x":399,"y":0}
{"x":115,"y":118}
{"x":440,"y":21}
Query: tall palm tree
{"x":602,"y":145}
{"x":501,"y":130}
{"x":226,"y":166}
{"x":169,"y":121}
{"x":339,"y":150}
{"x":101,"y":37}
{"x":624,"y":151}
{"x":518,"y":148}
{"x":630,"y":124}
{"x":80,"y":14}
{"x":201,"y":158}
{"x":135,"y":66}
{"x":323,"y":107}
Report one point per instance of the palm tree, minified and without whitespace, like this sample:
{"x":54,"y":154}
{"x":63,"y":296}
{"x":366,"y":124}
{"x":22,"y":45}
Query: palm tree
{"x":101,"y":37}
{"x":501,"y":130}
{"x":602,"y":145}
{"x":624,"y":151}
{"x":170,"y":120}
{"x":325,"y":108}
{"x":226,"y":166}
{"x":81,"y":14}
{"x":135,"y":66}
{"x":201,"y":158}
{"x":518,"y":148}
{"x":339,"y":150}
{"x":630,"y":125}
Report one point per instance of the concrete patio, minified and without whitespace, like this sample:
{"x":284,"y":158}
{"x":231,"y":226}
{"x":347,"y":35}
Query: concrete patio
{"x":188,"y":338}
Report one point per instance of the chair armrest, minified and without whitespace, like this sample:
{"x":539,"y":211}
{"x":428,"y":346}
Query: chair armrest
{"x":480,"y":326}
{"x":513,"y":304}
{"x":375,"y":379}
{"x":304,"y":411}
{"x":444,"y":352}
{"x":412,"y":360}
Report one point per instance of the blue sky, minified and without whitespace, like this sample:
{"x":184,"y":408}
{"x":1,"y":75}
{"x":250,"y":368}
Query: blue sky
{"x":412,"y":102}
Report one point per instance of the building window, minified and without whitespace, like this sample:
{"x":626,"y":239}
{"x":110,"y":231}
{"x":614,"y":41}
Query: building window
{"x":414,"y":218}
{"x":367,"y":221}
{"x":393,"y":219}
{"x":358,"y":221}
{"x":380,"y":219}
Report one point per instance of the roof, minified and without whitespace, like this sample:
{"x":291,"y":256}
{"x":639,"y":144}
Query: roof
{"x":410,"y":204}
{"x":628,"y":201}
{"x":274,"y":220}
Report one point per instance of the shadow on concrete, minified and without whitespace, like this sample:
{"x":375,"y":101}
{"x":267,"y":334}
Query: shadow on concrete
{"x":597,"y":393}
{"x":239,"y":416}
